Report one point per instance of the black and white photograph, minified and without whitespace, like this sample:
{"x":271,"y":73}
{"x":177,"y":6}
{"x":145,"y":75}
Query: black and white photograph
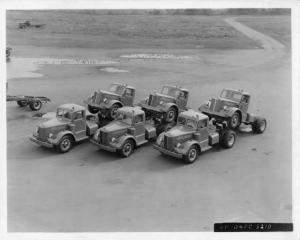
{"x":149,"y":119}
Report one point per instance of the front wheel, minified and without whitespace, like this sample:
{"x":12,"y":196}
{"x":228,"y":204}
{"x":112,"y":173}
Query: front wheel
{"x":65,"y":144}
{"x":191,"y":155}
{"x":171,"y":114}
{"x":234,"y":121}
{"x":127,"y":148}
{"x":35,"y":105}
{"x":259,"y":125}
{"x":228,"y":139}
{"x":113,"y":111}
{"x":22,"y":103}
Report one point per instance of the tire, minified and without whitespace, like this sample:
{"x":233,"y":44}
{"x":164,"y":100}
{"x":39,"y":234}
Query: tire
{"x":93,"y":110}
{"x":22,"y":103}
{"x":191,"y":155}
{"x":112,"y":111}
{"x":65,"y":144}
{"x":228,"y":139}
{"x":259,"y":125}
{"x":234,"y":121}
{"x":35,"y":105}
{"x":171,"y":114}
{"x":127,"y":148}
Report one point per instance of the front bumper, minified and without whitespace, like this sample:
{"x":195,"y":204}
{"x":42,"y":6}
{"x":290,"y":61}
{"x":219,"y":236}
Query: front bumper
{"x":104,"y":147}
{"x":41,"y":143}
{"x":167,"y":152}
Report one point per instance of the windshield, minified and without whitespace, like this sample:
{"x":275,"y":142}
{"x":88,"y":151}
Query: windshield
{"x":126,"y":118}
{"x":63,"y":113}
{"x":187,"y":122}
{"x":170,"y":91}
{"x":117,"y":89}
{"x":230,"y":95}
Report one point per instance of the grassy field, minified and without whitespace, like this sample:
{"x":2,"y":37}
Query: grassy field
{"x":91,"y":30}
{"x":278,"y":27}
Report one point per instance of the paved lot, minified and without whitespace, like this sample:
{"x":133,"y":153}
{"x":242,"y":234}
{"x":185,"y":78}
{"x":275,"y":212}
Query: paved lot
{"x":91,"y":190}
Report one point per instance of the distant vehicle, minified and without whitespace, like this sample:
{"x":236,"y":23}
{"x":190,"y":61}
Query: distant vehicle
{"x":8,"y":53}
{"x":106,"y":103}
{"x":27,"y":24}
{"x":232,"y":107}
{"x":166,"y":105}
{"x":129,"y":130}
{"x":192,"y":135}
{"x":35,"y":103}
{"x":70,"y":125}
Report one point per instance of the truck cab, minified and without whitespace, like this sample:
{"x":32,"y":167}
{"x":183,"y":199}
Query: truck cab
{"x":107,"y":102}
{"x":167,"y":104}
{"x":127,"y":131}
{"x":69,"y":126}
{"x":192,"y":135}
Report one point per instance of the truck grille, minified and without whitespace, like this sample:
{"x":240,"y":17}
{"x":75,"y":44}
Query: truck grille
{"x":168,"y":143}
{"x":42,"y":134}
{"x":103,"y":137}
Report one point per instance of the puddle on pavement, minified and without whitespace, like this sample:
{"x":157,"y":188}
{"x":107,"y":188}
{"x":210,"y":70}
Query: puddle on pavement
{"x":112,"y":70}
{"x":27,"y":67}
{"x":159,"y":56}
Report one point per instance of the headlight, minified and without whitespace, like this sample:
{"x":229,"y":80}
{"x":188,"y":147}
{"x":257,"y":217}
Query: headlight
{"x":113,"y":140}
{"x":96,"y":135}
{"x":160,"y":139}
{"x":178,"y":145}
{"x":225,"y":108}
{"x":161,"y":103}
{"x":146,"y":100}
{"x":36,"y":131}
{"x":51,"y":135}
{"x":105,"y":100}
{"x":208,"y":104}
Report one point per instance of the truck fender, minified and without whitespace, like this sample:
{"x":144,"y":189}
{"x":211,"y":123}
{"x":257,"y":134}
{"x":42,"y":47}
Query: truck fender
{"x":112,"y":102}
{"x":123,"y":139}
{"x":188,"y":144}
{"x":60,"y":135}
{"x":167,"y":106}
{"x":232,"y":110}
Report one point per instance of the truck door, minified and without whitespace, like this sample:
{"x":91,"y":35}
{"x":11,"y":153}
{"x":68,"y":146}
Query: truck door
{"x":80,"y":124}
{"x":139,"y":125}
{"x":128,"y":97}
{"x":182,"y":100}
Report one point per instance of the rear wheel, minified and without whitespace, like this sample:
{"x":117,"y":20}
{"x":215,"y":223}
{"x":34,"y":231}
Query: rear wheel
{"x":259,"y":125}
{"x":35,"y":105}
{"x":113,"y":111}
{"x":93,"y":110}
{"x":171,"y":114}
{"x":127,"y":148}
{"x":234,"y":121}
{"x":228,"y":139}
{"x":191,"y":155}
{"x":22,"y":103}
{"x":65,"y":144}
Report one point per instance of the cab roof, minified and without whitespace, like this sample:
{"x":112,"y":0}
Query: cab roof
{"x":123,"y":84}
{"x":237,"y":91}
{"x":137,"y":110}
{"x":195,"y":115}
{"x":71,"y":106}
{"x":178,"y":87}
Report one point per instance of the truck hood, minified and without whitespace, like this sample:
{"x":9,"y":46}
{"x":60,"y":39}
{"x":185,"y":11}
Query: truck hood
{"x":179,"y":131}
{"x":156,"y":98}
{"x":55,"y":122}
{"x":109,"y":93}
{"x":115,"y":126}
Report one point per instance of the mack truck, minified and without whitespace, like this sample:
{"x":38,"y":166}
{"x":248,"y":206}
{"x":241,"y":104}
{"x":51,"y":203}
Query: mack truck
{"x":70,"y":125}
{"x":192,"y":135}
{"x":167,"y":104}
{"x":232,"y":107}
{"x":105,"y":103}
{"x":130,"y":129}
